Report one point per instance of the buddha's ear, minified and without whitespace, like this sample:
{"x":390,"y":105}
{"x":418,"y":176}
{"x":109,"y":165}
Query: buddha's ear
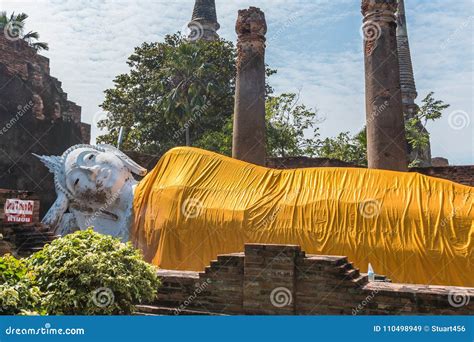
{"x":56,"y":212}
{"x":131,"y":165}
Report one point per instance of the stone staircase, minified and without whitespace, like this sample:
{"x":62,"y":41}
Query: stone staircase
{"x":175,"y":296}
{"x":156,"y":310}
{"x":27,"y":239}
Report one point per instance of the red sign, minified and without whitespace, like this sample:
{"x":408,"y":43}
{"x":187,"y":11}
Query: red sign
{"x":19,"y":211}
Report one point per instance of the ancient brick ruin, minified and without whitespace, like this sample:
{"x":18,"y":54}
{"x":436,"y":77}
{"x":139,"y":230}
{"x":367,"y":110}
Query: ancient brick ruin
{"x":35,"y":117}
{"x":407,"y":85}
{"x":463,"y":174}
{"x":283,"y":280}
{"x":459,"y":174}
{"x":386,"y":143}
{"x":22,"y":239}
{"x":248,"y":139}
{"x":203,"y":24}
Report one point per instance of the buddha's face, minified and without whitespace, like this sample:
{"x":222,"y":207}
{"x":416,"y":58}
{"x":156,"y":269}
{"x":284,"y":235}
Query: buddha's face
{"x":94,"y":177}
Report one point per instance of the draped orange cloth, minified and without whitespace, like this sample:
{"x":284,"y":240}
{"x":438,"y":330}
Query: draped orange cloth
{"x":197,"y":204}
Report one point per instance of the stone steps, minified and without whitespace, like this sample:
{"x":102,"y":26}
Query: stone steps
{"x":154,"y":310}
{"x":28,"y":238}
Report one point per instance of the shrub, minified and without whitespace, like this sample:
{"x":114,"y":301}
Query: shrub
{"x":87,"y":273}
{"x":18,"y":295}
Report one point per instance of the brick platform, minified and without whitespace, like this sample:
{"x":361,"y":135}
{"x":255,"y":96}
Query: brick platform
{"x":282,"y":280}
{"x":23,"y":239}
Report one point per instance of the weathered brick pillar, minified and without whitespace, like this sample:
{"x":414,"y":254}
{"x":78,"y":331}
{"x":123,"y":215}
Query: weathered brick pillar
{"x":269,"y":279}
{"x":386,"y":142}
{"x":249,"y":112}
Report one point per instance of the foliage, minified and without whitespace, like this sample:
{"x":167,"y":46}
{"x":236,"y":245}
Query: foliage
{"x":87,"y":273}
{"x":190,"y":84}
{"x":288,"y":123}
{"x":354,"y":149}
{"x":15,"y":24}
{"x":218,"y":141}
{"x":346,"y":148}
{"x":18,"y":295}
{"x":172,"y":87}
{"x":417,"y":135}
{"x":290,"y":129}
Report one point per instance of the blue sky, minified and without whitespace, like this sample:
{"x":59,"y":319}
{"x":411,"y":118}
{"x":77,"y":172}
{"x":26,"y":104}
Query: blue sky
{"x":315,"y":45}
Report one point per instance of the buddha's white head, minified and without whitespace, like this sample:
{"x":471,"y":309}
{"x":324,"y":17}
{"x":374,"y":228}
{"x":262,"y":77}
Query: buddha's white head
{"x":87,"y":176}
{"x":94,"y":176}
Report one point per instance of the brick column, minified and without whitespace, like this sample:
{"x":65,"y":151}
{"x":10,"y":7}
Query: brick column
{"x":269,"y":279}
{"x":386,"y":142}
{"x":249,"y":112}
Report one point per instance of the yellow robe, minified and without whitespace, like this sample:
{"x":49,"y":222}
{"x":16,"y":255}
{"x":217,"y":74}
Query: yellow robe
{"x":197,"y":204}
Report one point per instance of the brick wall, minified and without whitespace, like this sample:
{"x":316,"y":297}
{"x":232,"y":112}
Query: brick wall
{"x":282,"y":280}
{"x":23,"y":239}
{"x":23,"y":195}
{"x":15,"y":55}
{"x":35,"y":117}
{"x":458,"y":174}
{"x":148,"y":161}
{"x":302,"y":162}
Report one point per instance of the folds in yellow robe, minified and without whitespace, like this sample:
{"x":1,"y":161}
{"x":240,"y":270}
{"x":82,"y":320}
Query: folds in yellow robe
{"x":197,"y":204}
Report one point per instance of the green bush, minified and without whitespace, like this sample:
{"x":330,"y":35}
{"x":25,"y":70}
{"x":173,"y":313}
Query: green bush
{"x":18,"y":295}
{"x":87,"y":273}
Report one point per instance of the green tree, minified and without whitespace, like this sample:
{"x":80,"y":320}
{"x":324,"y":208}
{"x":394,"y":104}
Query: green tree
{"x":14,"y":27}
{"x":187,"y":94}
{"x":180,"y":92}
{"x":417,"y":135}
{"x":291,"y":127}
{"x":354,"y":149}
{"x":351,"y":149}
{"x":172,"y":88}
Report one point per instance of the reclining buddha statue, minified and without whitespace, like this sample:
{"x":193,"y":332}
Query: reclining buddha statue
{"x":197,"y":204}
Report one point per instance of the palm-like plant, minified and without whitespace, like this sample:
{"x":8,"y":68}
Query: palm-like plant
{"x":188,"y":87}
{"x":16,"y":24}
